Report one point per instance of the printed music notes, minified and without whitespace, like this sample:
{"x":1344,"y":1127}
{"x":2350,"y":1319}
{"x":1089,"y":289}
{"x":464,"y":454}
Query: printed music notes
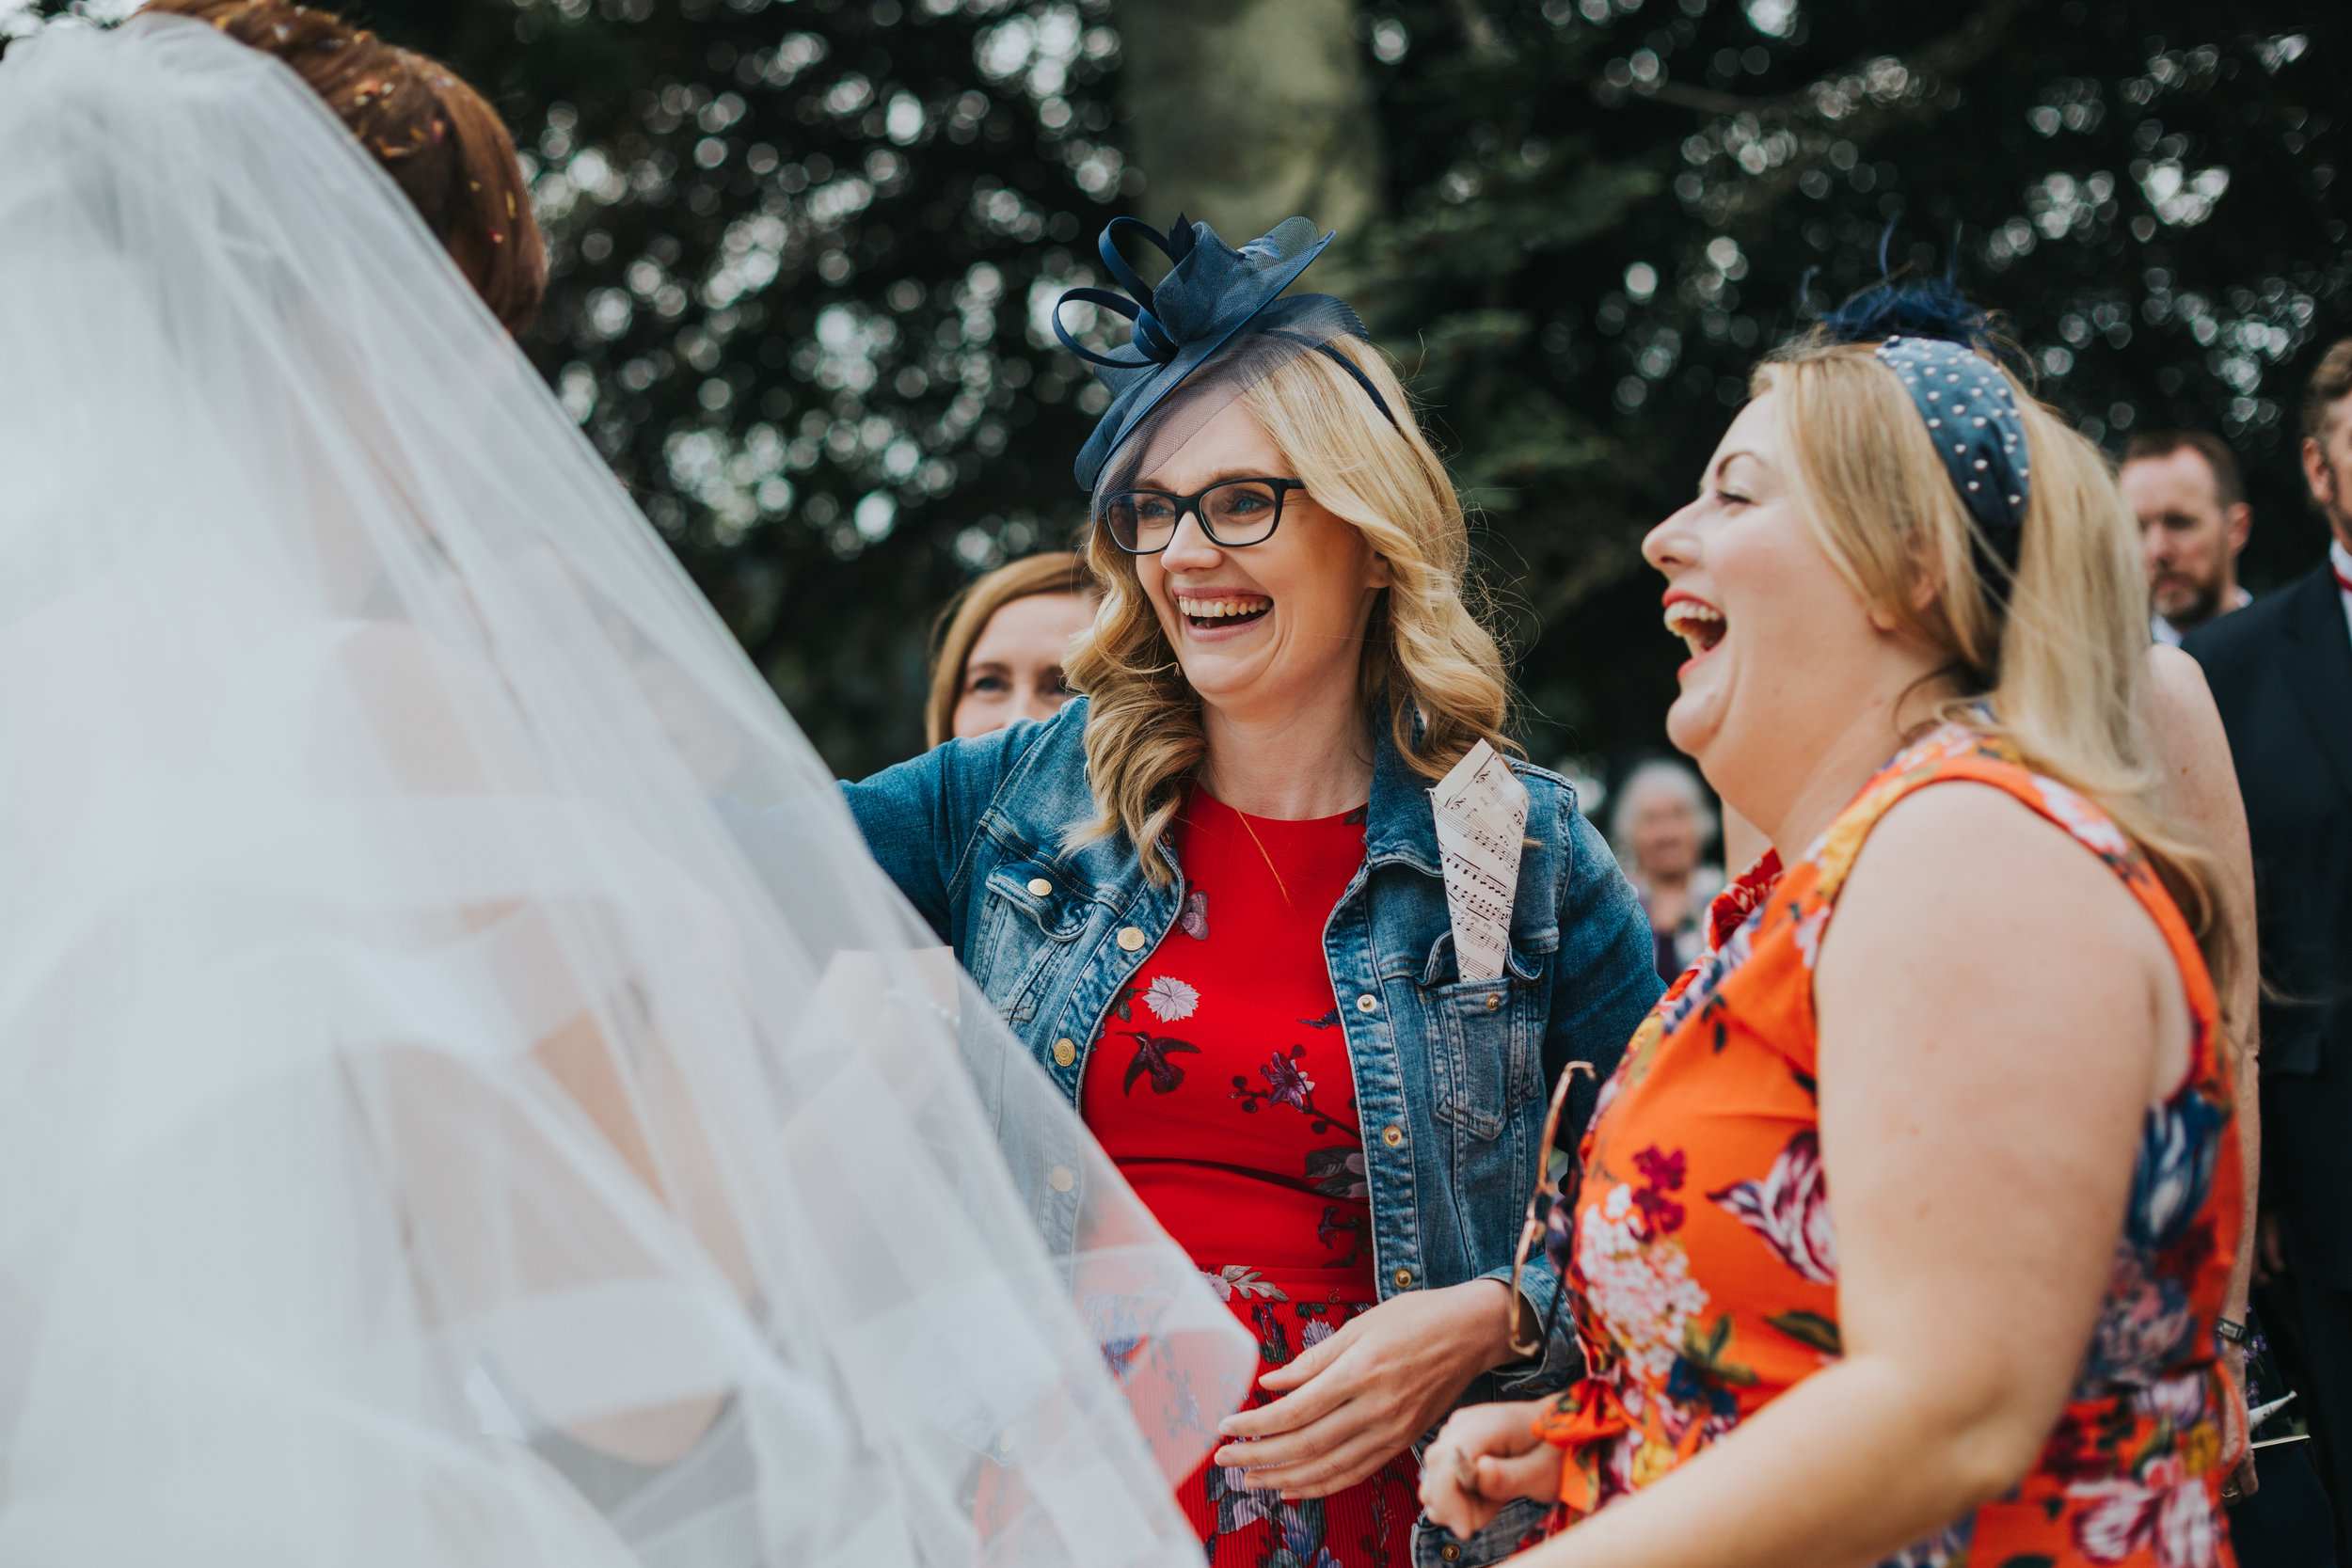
{"x":1482,"y":820}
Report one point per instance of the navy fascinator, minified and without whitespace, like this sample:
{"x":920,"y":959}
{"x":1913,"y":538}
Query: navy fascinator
{"x":1939,"y":346}
{"x":1217,"y":308}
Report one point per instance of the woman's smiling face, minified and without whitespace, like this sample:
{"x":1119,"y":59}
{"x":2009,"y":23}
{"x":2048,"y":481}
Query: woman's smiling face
{"x":1259,"y":629}
{"x":1774,"y":631}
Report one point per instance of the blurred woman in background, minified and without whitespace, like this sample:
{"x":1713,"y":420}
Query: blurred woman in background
{"x":1906,"y":1231}
{"x":1661,"y":828}
{"x":996,"y":650}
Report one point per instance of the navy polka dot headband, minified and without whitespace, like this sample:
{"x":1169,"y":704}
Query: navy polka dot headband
{"x":1972,"y":419}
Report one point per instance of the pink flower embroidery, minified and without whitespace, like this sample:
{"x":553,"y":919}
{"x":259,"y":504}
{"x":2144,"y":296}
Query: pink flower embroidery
{"x":1171,"y":999}
{"x":1285,"y":1082}
{"x":1789,"y":1210}
{"x":1194,"y":919}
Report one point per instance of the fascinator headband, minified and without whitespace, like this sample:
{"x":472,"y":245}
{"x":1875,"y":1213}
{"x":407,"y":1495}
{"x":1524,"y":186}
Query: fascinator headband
{"x":1935,"y":342}
{"x":1216,"y":305}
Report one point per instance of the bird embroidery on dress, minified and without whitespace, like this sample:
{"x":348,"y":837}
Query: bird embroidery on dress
{"x":1329,"y":1021}
{"x":1151,"y":1053}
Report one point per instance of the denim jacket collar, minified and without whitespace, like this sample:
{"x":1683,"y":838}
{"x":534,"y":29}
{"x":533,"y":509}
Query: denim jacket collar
{"x":1399,"y":823}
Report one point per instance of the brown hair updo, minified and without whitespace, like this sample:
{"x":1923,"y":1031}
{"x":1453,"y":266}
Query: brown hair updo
{"x":443,"y":144}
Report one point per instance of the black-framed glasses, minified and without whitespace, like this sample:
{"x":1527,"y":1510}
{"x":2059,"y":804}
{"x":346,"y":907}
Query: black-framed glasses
{"x":1547,"y":1200}
{"x":1233,"y":512}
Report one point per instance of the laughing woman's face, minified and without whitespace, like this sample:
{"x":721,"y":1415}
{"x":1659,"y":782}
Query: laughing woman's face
{"x":1776,"y":635}
{"x":1267,"y":628}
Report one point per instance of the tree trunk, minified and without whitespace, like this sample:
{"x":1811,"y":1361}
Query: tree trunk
{"x":1242,"y":113}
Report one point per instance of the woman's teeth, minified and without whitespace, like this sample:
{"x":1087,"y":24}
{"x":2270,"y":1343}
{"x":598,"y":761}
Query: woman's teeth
{"x":1210,"y":610}
{"x":1696,"y":624}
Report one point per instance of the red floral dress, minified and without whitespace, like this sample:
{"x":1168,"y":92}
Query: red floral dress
{"x":1221,"y":1089}
{"x":1704,"y":1266}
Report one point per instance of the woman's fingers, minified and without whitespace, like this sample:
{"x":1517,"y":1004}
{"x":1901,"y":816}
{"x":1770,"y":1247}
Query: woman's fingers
{"x":1296,"y":1440}
{"x":1291,"y":1373}
{"x":1533,"y":1474}
{"x":1322,"y":1473}
{"x":1449,"y":1494}
{"x":1312,"y":1401}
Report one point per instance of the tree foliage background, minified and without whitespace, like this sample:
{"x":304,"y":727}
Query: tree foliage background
{"x":804,"y":252}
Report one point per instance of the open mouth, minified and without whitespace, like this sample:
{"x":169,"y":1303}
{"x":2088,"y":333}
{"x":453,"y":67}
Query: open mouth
{"x":1700,"y":625}
{"x":1222,"y":609}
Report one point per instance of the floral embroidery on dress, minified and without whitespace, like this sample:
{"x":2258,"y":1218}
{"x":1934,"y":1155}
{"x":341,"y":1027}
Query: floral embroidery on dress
{"x":1170,"y":999}
{"x":1287,"y":1084}
{"x":1235,"y":1279}
{"x":1687,"y":1324}
{"x":1339,"y":1172}
{"x":1193,"y":919}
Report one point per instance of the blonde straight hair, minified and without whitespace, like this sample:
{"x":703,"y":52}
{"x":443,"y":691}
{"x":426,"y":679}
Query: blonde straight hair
{"x":1427,"y":660}
{"x":2056,"y":672}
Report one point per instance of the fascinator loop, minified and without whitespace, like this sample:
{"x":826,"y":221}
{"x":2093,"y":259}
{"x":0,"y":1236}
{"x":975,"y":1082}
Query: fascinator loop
{"x":1215,"y":325}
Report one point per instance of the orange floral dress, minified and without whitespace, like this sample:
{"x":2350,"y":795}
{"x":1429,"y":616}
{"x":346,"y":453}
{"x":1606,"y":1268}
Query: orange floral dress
{"x":1703,"y":1264}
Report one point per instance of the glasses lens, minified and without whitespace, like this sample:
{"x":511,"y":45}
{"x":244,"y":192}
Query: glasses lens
{"x":1141,"y":520}
{"x":1242,"y":513}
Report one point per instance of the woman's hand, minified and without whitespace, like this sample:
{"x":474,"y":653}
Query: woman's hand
{"x":1356,"y":1400}
{"x":1487,"y":1455}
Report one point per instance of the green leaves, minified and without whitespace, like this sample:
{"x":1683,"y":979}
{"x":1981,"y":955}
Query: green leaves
{"x":1810,"y":1328}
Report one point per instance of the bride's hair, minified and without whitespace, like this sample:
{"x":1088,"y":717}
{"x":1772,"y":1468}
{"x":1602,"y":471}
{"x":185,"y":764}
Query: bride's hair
{"x":442,"y":144}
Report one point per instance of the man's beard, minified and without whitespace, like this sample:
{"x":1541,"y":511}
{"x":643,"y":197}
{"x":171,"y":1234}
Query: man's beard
{"x":2201,"y":604}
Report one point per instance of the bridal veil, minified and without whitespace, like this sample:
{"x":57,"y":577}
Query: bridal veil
{"x":427,"y":1134}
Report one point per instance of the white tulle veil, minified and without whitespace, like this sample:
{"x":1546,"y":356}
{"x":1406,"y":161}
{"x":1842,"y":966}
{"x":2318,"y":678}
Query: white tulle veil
{"x":428,"y":1133}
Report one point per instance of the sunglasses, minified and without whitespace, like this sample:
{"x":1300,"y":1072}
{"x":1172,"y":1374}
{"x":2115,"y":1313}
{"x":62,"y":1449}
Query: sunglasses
{"x":1546,"y":1199}
{"x":1233,"y":512}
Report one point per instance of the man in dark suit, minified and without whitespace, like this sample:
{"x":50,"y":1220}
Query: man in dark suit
{"x":2281,"y":675}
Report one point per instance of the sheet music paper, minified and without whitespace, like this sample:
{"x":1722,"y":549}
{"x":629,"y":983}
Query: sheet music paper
{"x":1480,"y":809}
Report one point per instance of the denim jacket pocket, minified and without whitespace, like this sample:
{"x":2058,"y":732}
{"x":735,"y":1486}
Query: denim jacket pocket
{"x":1025,"y":937}
{"x":1485,"y":1058}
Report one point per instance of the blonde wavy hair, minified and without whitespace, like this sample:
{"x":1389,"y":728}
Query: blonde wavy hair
{"x":2050,"y":660}
{"x":1428,"y":661}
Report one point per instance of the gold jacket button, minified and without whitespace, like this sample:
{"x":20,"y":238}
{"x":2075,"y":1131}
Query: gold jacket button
{"x":1131,"y":937}
{"x":1403,"y":1278}
{"x":1392,"y":1135}
{"x":1494,"y":1000}
{"x":1065,"y":1052}
{"x":1060,"y":1178}
{"x":1450,"y":1552}
{"x":1040,"y":886}
{"x":1367,"y":1002}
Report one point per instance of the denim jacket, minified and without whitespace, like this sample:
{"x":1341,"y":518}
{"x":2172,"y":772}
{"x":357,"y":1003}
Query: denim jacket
{"x":1451,"y":1076}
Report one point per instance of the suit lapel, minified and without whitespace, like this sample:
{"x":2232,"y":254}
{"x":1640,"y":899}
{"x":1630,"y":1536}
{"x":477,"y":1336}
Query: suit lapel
{"x":2319,"y":669}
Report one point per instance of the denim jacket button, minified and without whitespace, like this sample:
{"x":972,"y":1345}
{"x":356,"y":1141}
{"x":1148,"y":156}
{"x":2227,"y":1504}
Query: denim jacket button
{"x":1494,"y":1000}
{"x":1403,"y":1278}
{"x":1450,"y":1552}
{"x":1040,"y":886}
{"x":1367,"y":1002}
{"x":1131,"y":937}
{"x":1060,"y":1179}
{"x":1392,"y":1135}
{"x":1065,"y":1052}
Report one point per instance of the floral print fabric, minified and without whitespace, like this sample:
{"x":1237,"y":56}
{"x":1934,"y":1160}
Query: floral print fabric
{"x":1222,"y":1087}
{"x":1703,"y":1261}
